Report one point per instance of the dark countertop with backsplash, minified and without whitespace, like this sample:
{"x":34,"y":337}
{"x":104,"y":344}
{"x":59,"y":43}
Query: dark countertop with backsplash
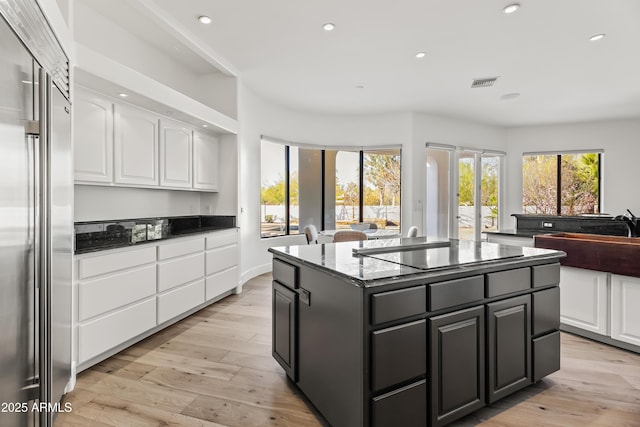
{"x":94,"y":236}
{"x":528,"y":225}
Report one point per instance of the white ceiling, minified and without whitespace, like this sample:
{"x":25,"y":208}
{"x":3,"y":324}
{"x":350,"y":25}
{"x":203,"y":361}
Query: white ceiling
{"x":542,"y":51}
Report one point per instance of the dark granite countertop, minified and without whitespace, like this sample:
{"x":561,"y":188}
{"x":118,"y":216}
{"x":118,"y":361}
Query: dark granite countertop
{"x":367,"y":270}
{"x":95,"y":236}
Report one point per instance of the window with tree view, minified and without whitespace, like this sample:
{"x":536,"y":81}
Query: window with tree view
{"x":328,"y":188}
{"x":561,"y":184}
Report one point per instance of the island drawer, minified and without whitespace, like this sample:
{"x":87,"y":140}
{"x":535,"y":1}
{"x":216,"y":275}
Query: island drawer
{"x":546,"y":310}
{"x":546,"y":355}
{"x":402,"y":407}
{"x":398,"y":354}
{"x":285,"y":273}
{"x":545,"y":275}
{"x":506,"y":282}
{"x":455,"y":292}
{"x":398,"y":304}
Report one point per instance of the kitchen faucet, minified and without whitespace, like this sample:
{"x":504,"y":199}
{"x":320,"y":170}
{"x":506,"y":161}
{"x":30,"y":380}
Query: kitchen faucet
{"x":631,"y":221}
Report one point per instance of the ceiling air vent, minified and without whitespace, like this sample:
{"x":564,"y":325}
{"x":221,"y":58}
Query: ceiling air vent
{"x":484,"y":82}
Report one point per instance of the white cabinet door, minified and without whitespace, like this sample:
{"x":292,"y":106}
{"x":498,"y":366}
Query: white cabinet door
{"x":176,"y":154}
{"x":93,"y":138}
{"x":584,"y":299}
{"x":625,"y":316}
{"x":205,"y":174}
{"x":136,"y":146}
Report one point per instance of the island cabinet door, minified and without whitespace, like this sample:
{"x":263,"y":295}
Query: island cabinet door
{"x":509,"y":346}
{"x":285,"y":302}
{"x":457,"y":365}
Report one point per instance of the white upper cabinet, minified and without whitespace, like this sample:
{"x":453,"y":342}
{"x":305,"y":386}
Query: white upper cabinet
{"x":93,"y":138}
{"x":176,"y":154}
{"x":136,"y":146}
{"x":205,"y":174}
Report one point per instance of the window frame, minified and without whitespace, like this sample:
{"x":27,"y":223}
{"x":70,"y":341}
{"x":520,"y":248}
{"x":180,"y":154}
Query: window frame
{"x":558,"y":155}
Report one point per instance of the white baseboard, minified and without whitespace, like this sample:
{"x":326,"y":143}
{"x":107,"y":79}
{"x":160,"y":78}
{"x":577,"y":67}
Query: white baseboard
{"x":72,"y":380}
{"x":253,"y":272}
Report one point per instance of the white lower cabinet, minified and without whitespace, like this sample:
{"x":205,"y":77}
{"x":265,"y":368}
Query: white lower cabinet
{"x":584,"y":299}
{"x":179,"y":271}
{"x":221,"y":282}
{"x":127,"y":294}
{"x":625,"y":313}
{"x":103,"y":333}
{"x":113,"y":291}
{"x":177,"y":301}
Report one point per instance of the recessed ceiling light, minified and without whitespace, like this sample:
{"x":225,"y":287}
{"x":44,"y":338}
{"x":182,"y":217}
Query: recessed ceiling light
{"x":170,"y":113}
{"x":511,"y":8}
{"x":508,"y":96}
{"x":329,"y":26}
{"x":123,"y":95}
{"x":421,"y":54}
{"x":596,"y":37}
{"x":205,"y":126}
{"x":204,"y":19}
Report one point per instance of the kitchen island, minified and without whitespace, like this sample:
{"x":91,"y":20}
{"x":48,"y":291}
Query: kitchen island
{"x":412,"y":331}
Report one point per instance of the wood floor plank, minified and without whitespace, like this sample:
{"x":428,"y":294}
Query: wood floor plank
{"x":144,"y":393}
{"x":232,"y":413}
{"x":111,"y":411}
{"x":263,"y":363}
{"x":216,"y":367}
{"x":248,"y":394}
{"x":191,"y":365}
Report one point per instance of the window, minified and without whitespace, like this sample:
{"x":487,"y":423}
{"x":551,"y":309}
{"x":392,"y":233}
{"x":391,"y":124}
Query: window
{"x":561,"y":183}
{"x":273,"y":191}
{"x":381,"y":188}
{"x":329,"y":188}
{"x":347,"y":176}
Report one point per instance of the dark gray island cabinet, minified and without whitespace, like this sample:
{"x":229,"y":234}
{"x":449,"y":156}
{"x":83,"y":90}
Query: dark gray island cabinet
{"x":412,"y":332}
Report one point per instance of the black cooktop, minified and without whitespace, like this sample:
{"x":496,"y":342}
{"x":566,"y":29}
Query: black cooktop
{"x":458,"y":252}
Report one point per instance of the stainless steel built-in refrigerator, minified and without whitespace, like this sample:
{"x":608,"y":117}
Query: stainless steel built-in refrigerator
{"x":36,"y":195}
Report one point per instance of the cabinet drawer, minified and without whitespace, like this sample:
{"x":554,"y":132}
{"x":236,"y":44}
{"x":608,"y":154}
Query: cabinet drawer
{"x":222,"y":258}
{"x":222,"y":238}
{"x":180,"y":248}
{"x":546,"y":311}
{"x":398,"y":354}
{"x":393,"y":305}
{"x":455,"y":292}
{"x":405,"y":407}
{"x":546,"y":355}
{"x":89,"y":267}
{"x":506,"y":282}
{"x":545,"y":275}
{"x":177,"y":301}
{"x":108,"y":293}
{"x":180,"y":271}
{"x":221,"y":282}
{"x":102,"y":334}
{"x":285,"y":273}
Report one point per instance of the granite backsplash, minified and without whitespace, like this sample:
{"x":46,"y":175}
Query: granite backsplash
{"x":100,"y":235}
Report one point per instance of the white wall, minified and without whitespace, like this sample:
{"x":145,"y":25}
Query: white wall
{"x":620,"y":140}
{"x":259,"y":117}
{"x":99,"y":34}
{"x":96,"y":203}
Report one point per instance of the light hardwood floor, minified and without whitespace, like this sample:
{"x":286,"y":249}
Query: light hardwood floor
{"x":215,"y":368}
